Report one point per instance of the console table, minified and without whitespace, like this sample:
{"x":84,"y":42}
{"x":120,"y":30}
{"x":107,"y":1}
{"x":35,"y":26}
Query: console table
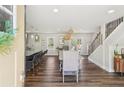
{"x":119,"y":64}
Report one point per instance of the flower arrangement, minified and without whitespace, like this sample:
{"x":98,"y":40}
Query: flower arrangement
{"x":68,"y":35}
{"x":7,"y":37}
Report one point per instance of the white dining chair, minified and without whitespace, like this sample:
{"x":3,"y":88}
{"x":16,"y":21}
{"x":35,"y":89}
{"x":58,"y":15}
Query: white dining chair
{"x":70,"y":63}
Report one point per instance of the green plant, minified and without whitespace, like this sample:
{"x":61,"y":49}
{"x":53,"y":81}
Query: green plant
{"x":116,"y":50}
{"x":7,"y":38}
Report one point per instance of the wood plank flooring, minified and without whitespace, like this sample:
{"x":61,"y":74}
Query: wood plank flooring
{"x":90,"y":75}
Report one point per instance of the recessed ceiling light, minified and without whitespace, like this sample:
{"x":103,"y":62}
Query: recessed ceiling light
{"x":55,"y":10}
{"x":111,"y":11}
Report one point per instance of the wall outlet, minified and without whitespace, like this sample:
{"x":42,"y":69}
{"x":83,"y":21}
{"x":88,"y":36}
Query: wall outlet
{"x":22,"y":76}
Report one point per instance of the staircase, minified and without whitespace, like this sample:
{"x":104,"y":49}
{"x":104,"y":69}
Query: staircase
{"x":102,"y":54}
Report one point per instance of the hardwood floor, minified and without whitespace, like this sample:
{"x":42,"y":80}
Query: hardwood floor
{"x":90,"y":75}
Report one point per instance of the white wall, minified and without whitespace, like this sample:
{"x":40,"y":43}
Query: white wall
{"x":97,"y":56}
{"x":7,"y":69}
{"x":56,"y":40}
{"x":20,"y":47}
{"x":34,"y":45}
{"x":110,"y":43}
{"x":103,"y":55}
{"x":86,"y":40}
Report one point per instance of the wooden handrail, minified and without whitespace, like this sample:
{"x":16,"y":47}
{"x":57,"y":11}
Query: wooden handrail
{"x":111,"y":26}
{"x":96,"y":42}
{"x":109,"y":29}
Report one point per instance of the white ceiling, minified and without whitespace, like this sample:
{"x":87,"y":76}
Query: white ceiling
{"x":83,"y":18}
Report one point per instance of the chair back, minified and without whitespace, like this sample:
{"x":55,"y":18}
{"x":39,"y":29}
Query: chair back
{"x":70,"y":61}
{"x":60,"y":55}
